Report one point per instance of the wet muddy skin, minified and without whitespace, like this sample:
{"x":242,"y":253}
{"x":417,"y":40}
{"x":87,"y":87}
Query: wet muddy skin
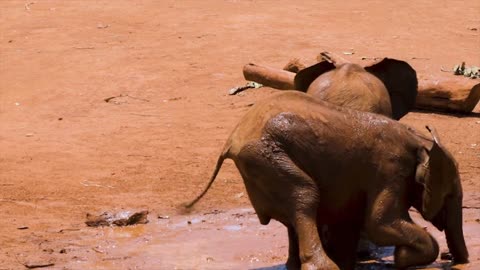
{"x":219,"y":239}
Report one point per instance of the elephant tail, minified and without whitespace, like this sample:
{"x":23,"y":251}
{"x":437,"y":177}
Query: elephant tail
{"x":221,"y":158}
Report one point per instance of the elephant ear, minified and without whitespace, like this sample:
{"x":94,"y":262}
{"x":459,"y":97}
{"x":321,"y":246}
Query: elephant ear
{"x":437,"y":172}
{"x":400,"y":79}
{"x":306,"y":76}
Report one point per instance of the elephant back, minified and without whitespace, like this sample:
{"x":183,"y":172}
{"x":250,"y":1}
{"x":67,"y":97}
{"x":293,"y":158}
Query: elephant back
{"x":351,"y":86}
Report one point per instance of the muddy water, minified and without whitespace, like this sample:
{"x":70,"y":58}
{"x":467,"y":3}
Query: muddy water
{"x":231,"y":239}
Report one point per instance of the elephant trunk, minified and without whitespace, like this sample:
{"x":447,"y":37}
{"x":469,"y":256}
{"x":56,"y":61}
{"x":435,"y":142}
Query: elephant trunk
{"x":454,"y":230}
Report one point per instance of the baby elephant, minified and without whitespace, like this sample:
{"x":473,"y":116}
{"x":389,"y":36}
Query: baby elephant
{"x":388,"y":87}
{"x":308,"y":163}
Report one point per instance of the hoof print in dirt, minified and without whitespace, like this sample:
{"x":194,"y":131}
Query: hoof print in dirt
{"x":118,"y":219}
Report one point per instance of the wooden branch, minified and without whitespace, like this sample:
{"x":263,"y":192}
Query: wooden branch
{"x":275,"y":78}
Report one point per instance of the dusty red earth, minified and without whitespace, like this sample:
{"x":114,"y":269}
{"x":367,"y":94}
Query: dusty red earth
{"x":65,"y":152}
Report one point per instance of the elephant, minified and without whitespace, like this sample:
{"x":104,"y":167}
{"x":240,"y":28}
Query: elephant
{"x":308,"y":163}
{"x":388,"y":87}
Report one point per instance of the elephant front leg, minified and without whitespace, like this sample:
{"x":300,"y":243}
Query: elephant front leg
{"x":454,"y":231}
{"x":388,"y":224}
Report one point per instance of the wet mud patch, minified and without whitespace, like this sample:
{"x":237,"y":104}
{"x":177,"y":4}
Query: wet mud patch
{"x":219,"y":239}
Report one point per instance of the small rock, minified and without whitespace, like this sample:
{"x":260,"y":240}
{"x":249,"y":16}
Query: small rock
{"x":189,"y":222}
{"x":239,"y":195}
{"x":32,"y":265}
{"x":22,"y":228}
{"x":254,"y":259}
{"x":29,"y":135}
{"x":63,"y":251}
{"x":102,"y":26}
{"x":107,"y":219}
{"x":209,"y":259}
{"x":163,"y":217}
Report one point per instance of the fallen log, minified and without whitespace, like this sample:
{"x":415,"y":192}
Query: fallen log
{"x":272,"y":77}
{"x":449,"y":93}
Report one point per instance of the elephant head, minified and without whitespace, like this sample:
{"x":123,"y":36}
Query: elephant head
{"x":441,"y":201}
{"x":398,"y":77}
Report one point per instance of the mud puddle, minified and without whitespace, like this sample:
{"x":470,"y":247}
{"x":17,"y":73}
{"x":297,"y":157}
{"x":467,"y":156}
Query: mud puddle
{"x":230,"y":239}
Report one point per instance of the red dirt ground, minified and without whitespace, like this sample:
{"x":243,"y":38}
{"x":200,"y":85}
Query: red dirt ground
{"x":64,"y":151}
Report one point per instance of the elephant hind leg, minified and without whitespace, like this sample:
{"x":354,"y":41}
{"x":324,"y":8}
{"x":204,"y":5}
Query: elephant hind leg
{"x":280,"y":190}
{"x":340,"y":242}
{"x":312,"y":254}
{"x":293,"y":261}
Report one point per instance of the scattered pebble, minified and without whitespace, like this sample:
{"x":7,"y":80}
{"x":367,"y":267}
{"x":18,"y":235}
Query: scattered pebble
{"x":163,"y":217}
{"x":23,"y":228}
{"x":102,"y":26}
{"x":32,"y":265}
{"x":254,"y":259}
{"x":48,"y":250}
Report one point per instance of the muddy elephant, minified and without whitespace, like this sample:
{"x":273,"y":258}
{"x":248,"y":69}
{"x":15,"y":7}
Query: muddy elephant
{"x":388,"y":87}
{"x":308,"y":163}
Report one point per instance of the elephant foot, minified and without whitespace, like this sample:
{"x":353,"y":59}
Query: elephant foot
{"x":366,"y":250}
{"x":320,"y":265}
{"x":406,"y":256}
{"x":317,"y":261}
{"x":293,"y":263}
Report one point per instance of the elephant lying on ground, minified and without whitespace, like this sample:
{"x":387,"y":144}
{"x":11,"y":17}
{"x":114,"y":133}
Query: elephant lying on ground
{"x":388,"y":87}
{"x":308,"y":163}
